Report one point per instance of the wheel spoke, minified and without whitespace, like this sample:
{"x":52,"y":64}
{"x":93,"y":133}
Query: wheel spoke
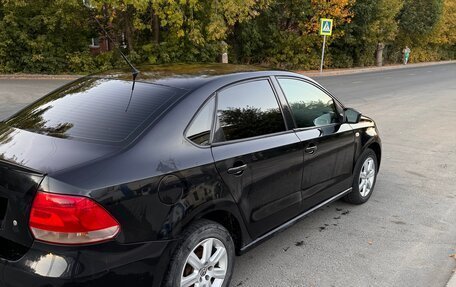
{"x":362,"y":184}
{"x":218,"y":273}
{"x":194,"y":261}
{"x":217,"y":255}
{"x":190,"y":279}
{"x":371,"y":173}
{"x":369,"y":165}
{"x":371,"y":182}
{"x":207,"y":250}
{"x":364,"y":193}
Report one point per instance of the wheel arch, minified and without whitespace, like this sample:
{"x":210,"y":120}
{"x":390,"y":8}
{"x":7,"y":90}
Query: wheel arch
{"x":230,"y":222}
{"x":227,"y":214}
{"x":375,"y":146}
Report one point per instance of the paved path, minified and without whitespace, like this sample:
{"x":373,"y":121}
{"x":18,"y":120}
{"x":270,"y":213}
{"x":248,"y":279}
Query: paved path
{"x":404,"y":235}
{"x":15,"y":94}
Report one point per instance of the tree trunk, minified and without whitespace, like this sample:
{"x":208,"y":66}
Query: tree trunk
{"x":129,"y":29}
{"x":129,"y":38}
{"x":379,"y":54}
{"x":156,"y":28}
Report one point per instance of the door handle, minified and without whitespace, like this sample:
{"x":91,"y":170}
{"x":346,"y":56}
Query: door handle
{"x":311,"y":148}
{"x":237,"y":170}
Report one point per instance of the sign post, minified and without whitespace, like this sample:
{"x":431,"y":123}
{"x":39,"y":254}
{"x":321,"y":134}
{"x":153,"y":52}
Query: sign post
{"x":325,"y":30}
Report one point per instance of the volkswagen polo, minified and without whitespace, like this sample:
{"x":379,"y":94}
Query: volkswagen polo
{"x":161,"y":181}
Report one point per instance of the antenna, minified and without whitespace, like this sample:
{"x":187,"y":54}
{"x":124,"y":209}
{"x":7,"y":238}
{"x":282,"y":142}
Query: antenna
{"x":134,"y":71}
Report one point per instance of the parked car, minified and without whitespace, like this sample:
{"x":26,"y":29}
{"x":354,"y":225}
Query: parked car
{"x":163,"y":184}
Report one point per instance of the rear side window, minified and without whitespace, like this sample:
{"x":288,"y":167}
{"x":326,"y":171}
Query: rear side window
{"x":96,"y":109}
{"x":311,"y":107}
{"x":247,"y":110}
{"x":199,"y":130}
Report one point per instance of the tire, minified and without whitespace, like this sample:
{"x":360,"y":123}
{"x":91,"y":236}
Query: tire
{"x":363,"y":184}
{"x":187,"y":265}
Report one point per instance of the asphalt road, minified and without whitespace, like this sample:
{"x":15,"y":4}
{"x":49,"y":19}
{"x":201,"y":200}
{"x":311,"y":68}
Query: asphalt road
{"x":405,"y":234}
{"x":15,"y":94}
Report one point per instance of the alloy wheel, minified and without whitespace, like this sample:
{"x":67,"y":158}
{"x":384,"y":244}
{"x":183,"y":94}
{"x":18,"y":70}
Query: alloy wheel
{"x":367,"y":177}
{"x":206,"y":265}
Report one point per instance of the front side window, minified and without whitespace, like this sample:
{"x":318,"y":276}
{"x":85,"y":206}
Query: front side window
{"x":247,"y":110}
{"x":199,"y":130}
{"x":311,"y":107}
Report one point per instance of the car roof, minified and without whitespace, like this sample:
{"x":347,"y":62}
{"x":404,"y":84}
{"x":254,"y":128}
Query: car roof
{"x":188,"y":76}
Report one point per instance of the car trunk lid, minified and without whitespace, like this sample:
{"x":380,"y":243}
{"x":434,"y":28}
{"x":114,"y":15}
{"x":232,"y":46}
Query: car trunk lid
{"x":26,"y":158}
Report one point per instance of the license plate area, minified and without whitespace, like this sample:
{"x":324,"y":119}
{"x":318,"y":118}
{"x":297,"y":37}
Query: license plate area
{"x":3,"y":207}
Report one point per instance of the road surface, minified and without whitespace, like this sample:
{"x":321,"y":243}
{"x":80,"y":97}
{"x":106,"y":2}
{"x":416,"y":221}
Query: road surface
{"x":405,"y":234}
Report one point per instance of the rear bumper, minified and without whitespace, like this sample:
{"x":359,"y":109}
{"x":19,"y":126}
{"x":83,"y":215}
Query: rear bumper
{"x":109,"y":264}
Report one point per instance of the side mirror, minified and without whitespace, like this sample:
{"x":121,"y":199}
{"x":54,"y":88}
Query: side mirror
{"x":352,"y":116}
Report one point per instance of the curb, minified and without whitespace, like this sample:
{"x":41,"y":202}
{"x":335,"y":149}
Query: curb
{"x":452,"y":282}
{"x":311,"y":73}
{"x":337,"y":72}
{"x":38,"y":77}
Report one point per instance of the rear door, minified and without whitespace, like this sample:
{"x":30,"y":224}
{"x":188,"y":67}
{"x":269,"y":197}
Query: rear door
{"x":259,"y":160}
{"x":328,"y":143}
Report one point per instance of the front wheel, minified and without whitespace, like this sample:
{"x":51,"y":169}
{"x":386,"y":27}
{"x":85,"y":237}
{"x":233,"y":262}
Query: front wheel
{"x":205,"y":257}
{"x":364,"y":178}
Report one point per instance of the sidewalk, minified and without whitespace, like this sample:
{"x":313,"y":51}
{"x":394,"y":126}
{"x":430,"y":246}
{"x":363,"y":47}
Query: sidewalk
{"x":21,"y":76}
{"x":452,"y":282}
{"x":310,"y":73}
{"x":337,"y":72}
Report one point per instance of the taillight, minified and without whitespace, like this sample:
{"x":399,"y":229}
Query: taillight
{"x":67,"y":219}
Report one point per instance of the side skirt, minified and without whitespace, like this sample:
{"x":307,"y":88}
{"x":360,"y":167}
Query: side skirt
{"x":291,"y":222}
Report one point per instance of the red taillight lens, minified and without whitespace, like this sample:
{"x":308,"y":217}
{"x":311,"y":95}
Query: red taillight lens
{"x":67,"y":219}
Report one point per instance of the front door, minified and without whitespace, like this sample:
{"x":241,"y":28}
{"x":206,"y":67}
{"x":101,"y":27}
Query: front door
{"x":259,"y":160}
{"x":328,"y":142}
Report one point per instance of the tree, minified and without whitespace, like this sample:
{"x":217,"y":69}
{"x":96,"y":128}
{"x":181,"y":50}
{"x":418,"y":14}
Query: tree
{"x":374,"y":24}
{"x":37,"y":36}
{"x":286,"y":34}
{"x":445,"y":30}
{"x":52,"y":36}
{"x":178,"y":30}
{"x":418,"y":18}
{"x":418,"y":21}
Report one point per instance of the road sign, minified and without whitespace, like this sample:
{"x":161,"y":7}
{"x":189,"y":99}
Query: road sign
{"x":326,"y":26}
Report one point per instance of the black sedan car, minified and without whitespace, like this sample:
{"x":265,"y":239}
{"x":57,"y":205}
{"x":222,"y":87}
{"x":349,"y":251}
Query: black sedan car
{"x":162,"y":183}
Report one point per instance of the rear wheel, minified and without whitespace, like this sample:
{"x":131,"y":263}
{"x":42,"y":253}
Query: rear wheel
{"x":205,"y":257}
{"x":364,"y":178}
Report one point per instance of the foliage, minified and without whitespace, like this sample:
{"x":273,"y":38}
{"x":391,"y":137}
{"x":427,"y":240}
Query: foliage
{"x":286,"y":34}
{"x":189,"y":30}
{"x":418,"y":19}
{"x":37,"y":36}
{"x":52,"y":36}
{"x":374,"y":22}
{"x":418,"y":26}
{"x":445,"y":32}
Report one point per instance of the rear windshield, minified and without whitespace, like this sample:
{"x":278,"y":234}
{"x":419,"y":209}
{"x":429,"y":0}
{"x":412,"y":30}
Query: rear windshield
{"x":96,"y":109}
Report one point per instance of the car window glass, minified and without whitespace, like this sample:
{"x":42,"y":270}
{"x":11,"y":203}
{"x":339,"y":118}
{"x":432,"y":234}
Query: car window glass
{"x":311,"y":107}
{"x":247,"y":110}
{"x":199,"y":130}
{"x":96,"y":109}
